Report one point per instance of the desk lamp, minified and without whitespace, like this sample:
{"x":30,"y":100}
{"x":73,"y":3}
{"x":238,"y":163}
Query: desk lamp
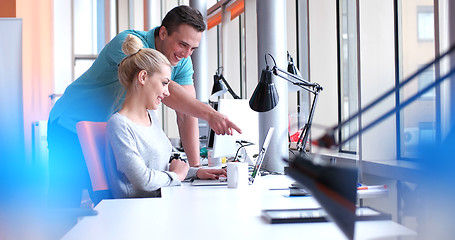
{"x":265,"y":96}
{"x":221,"y":86}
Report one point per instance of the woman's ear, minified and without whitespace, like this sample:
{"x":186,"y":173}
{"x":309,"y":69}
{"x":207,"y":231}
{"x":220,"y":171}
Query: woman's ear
{"x":142,"y":76}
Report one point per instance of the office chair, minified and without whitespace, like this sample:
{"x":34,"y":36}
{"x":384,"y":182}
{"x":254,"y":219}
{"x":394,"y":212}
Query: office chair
{"x":92,"y":139}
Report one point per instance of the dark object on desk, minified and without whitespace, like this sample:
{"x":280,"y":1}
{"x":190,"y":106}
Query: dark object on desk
{"x":176,"y":156}
{"x":335,"y":188}
{"x":318,"y":215}
{"x":297,"y":189}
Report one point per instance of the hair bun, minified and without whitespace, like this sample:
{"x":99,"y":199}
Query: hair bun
{"x":132,"y":45}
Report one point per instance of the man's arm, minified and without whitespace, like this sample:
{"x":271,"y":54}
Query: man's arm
{"x":189,"y":132}
{"x":183,"y":102}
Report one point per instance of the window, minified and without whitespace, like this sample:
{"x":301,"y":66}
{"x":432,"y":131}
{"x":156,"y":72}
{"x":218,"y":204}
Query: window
{"x":425,"y":23}
{"x":84,"y":35}
{"x":348,"y":99}
{"x":366,"y":72}
{"x":226,"y":45}
{"x":418,"y":120}
{"x":426,"y":78}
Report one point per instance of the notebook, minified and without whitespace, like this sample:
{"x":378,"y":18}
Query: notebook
{"x":254,"y":173}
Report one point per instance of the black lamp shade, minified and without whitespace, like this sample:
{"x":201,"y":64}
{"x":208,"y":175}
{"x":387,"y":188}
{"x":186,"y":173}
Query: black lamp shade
{"x":219,"y":88}
{"x":293,"y":69}
{"x":265,"y":96}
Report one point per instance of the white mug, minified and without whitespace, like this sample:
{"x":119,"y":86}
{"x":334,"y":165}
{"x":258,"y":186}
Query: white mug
{"x":237,"y":174}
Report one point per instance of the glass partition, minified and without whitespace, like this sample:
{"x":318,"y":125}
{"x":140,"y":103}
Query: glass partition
{"x":416,"y":29}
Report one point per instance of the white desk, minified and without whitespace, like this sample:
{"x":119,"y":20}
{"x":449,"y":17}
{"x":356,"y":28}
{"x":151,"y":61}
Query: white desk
{"x":188,"y":212}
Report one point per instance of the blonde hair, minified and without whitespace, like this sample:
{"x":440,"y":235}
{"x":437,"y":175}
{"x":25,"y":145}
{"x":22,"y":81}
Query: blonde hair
{"x":138,"y":59}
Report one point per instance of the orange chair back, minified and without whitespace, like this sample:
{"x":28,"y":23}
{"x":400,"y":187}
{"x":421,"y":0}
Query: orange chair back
{"x":92,"y":137}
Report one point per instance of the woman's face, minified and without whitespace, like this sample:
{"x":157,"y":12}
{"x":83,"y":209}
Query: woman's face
{"x":156,"y":87}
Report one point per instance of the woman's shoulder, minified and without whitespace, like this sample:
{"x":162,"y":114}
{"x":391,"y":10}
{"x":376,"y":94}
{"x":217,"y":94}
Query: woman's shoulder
{"x":117,"y":121}
{"x":120,"y":127}
{"x":114,"y":118}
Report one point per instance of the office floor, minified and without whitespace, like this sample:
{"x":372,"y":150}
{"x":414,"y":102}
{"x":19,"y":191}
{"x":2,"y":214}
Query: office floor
{"x":26,"y":216}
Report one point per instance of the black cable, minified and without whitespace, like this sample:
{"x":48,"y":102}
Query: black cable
{"x":293,"y":153}
{"x":241,"y":146}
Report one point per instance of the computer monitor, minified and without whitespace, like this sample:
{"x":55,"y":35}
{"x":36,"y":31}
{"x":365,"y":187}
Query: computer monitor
{"x":239,"y":112}
{"x":211,"y":134}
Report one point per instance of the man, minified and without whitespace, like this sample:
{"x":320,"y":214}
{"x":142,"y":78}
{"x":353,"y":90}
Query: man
{"x":97,"y":94}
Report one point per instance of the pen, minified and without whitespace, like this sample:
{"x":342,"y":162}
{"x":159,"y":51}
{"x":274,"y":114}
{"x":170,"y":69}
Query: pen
{"x":372,"y":187}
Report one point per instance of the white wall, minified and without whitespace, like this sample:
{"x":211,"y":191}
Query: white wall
{"x":292,"y":49}
{"x":122,"y":17}
{"x":251,"y":46}
{"x":63,"y":64}
{"x":232,"y":66}
{"x":377,"y":76}
{"x":323,"y":62}
{"x":138,"y":15}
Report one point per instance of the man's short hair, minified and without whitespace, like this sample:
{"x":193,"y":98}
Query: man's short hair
{"x":183,"y":15}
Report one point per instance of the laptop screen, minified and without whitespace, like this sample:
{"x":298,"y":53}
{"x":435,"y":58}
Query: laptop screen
{"x":257,"y":166}
{"x":261,"y":155}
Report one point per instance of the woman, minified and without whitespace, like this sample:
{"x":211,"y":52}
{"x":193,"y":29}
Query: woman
{"x":138,"y":160}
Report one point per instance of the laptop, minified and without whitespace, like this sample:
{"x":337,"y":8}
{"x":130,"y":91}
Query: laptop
{"x":254,"y":173}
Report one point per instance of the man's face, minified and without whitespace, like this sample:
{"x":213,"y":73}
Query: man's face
{"x":180,"y":44}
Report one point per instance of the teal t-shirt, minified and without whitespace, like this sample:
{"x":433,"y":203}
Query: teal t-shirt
{"x":97,"y":93}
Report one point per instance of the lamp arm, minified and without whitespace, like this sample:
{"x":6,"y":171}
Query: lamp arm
{"x":303,"y":138}
{"x":235,"y":96}
{"x":293,"y":78}
{"x":314,"y":88}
